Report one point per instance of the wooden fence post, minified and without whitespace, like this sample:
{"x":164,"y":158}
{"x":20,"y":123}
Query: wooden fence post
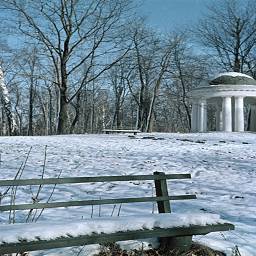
{"x":162,"y":190}
{"x":182,"y":244}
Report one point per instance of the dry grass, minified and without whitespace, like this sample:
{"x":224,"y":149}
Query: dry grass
{"x":196,"y":250}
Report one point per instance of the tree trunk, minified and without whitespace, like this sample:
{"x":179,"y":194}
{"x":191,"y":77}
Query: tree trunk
{"x":50,"y":111}
{"x":77,"y":114}
{"x":139,"y":122}
{"x":30,"y":112}
{"x":92,"y":121}
{"x":63,"y":114}
{"x":62,"y":127}
{"x":44,"y":130}
{"x":149,"y":126}
{"x":12,"y":126}
{"x":237,"y":65}
{"x":117,"y":116}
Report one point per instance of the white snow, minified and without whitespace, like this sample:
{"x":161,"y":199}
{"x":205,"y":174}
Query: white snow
{"x":222,"y":167}
{"x":233,"y":74}
{"x":12,"y":233}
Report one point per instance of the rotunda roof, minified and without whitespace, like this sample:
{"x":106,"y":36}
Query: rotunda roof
{"x":232,"y":78}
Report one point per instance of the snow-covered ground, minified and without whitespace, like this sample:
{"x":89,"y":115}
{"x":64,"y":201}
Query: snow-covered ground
{"x":223,"y":168}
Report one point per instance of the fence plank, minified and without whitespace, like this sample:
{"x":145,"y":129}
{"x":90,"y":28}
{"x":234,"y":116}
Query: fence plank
{"x":93,"y":202}
{"x":49,"y":181}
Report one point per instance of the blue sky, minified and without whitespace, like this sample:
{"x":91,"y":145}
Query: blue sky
{"x":167,"y":15}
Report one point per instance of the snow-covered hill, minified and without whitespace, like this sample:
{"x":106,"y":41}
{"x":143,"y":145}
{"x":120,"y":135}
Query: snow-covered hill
{"x":223,"y":168}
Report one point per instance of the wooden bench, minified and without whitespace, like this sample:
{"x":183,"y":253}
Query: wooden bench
{"x":172,"y":234}
{"x":108,"y":131}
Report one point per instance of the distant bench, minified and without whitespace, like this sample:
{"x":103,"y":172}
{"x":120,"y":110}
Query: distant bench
{"x":174,"y":230}
{"x":107,"y":131}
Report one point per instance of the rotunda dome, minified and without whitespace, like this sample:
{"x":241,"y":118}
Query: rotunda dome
{"x":232,"y":78}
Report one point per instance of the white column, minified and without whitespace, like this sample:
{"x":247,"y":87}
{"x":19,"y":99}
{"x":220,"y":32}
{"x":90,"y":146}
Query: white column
{"x":219,"y":124}
{"x":233,"y":113}
{"x":227,"y":114}
{"x":205,"y":116}
{"x":195,"y":118}
{"x":239,"y":114}
{"x":202,"y":116}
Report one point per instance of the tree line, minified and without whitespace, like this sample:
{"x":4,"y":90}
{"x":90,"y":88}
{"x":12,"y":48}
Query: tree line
{"x":76,"y":66}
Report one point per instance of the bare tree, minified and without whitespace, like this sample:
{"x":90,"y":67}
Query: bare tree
{"x":187,"y":71}
{"x":165,"y":58}
{"x":229,"y":30}
{"x":152,"y":56}
{"x":118,"y":76}
{"x":74,"y":34}
{"x":142,"y":39}
{"x":27,"y":65}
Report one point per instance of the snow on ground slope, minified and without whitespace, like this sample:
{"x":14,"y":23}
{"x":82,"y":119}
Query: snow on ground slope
{"x":223,"y":168}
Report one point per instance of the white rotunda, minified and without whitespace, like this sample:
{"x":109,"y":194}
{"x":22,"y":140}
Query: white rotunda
{"x":228,"y":92}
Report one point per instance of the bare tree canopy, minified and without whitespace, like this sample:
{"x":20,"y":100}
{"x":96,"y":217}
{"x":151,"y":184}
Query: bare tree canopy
{"x":75,"y":35}
{"x":229,"y":30}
